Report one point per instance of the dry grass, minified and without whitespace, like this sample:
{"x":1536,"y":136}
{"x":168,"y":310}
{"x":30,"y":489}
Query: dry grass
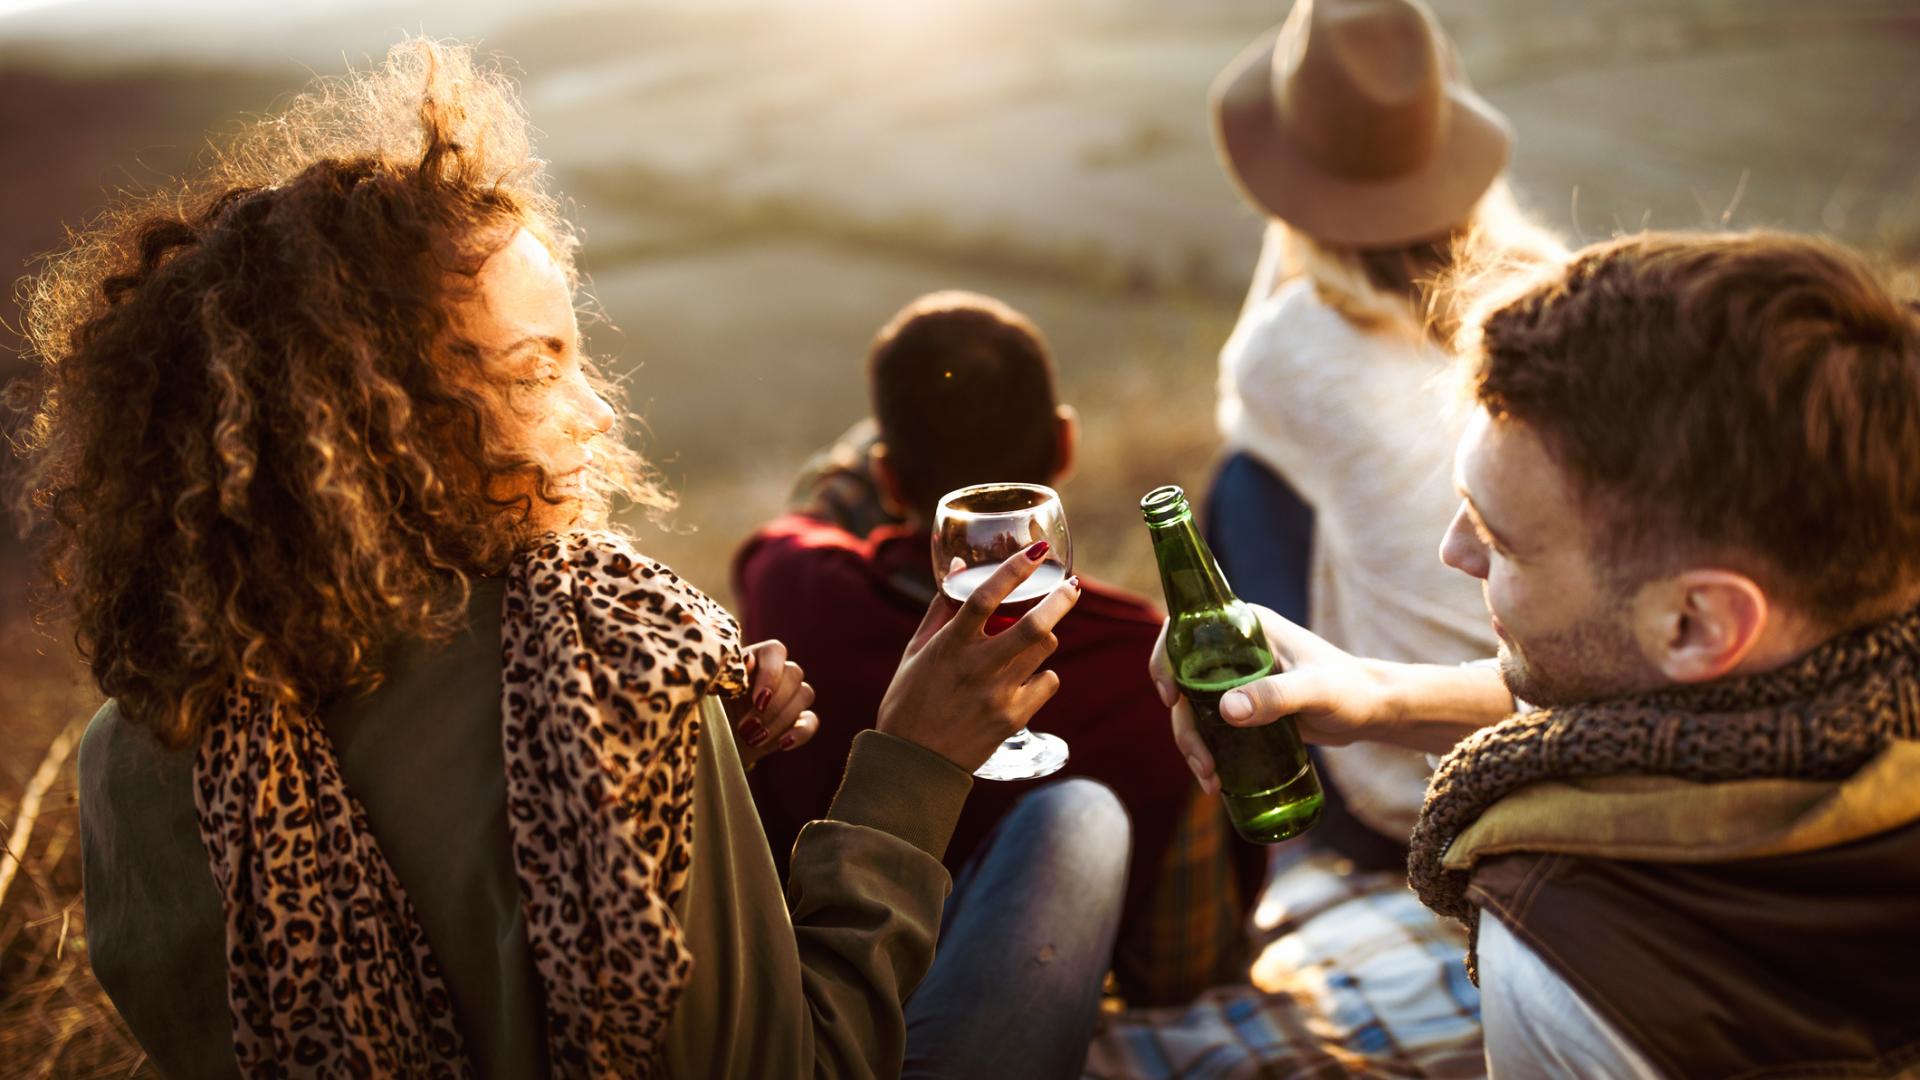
{"x":54,"y":1018}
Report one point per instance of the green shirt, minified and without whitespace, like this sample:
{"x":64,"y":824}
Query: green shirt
{"x":809,"y":982}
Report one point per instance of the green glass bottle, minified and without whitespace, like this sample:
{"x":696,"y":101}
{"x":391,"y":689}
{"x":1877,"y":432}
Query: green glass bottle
{"x":1215,"y":644}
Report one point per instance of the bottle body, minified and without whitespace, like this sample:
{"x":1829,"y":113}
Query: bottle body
{"x":1266,"y":778}
{"x":1215,"y":643}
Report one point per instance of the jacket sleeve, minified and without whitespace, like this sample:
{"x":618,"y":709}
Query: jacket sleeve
{"x":865,"y":891}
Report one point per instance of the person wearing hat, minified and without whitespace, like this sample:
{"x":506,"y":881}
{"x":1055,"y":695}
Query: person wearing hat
{"x":1380,"y":175}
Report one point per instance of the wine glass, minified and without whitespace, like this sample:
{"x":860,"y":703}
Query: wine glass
{"x":977,"y":528}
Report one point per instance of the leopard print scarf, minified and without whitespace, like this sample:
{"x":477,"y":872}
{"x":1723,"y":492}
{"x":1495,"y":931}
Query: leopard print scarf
{"x":607,"y":655}
{"x":1818,"y":718}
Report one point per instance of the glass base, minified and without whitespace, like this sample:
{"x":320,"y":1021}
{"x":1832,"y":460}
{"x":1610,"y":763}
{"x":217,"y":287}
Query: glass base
{"x":1027,"y":756}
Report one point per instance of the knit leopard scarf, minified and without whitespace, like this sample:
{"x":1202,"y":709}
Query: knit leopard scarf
{"x":1819,"y":718}
{"x":607,"y":655}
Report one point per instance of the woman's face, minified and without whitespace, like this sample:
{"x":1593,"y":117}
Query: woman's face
{"x":522,"y":320}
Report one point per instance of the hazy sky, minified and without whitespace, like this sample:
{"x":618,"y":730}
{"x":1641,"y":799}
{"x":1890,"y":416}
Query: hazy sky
{"x":310,"y":31}
{"x":73,"y":15}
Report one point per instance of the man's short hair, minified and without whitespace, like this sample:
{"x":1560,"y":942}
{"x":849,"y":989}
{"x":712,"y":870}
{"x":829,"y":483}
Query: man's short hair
{"x":1752,"y":398}
{"x":962,"y":388}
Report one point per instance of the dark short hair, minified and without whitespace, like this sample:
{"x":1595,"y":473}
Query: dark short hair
{"x":1750,"y":396}
{"x":963,"y":391}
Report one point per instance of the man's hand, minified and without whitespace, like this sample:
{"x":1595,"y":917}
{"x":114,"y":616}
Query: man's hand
{"x":960,"y":692}
{"x":1337,"y":698}
{"x":774,"y":716}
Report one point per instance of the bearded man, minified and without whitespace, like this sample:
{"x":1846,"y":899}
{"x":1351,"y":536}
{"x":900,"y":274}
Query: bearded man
{"x":1689,"y":794}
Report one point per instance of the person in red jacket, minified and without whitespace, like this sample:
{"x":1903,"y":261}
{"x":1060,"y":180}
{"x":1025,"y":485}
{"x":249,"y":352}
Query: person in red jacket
{"x":963,"y":392}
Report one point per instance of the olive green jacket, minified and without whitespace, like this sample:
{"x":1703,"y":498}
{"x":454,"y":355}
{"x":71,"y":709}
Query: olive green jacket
{"x":808,"y":982}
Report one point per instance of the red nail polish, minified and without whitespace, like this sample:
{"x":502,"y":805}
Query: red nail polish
{"x":787,"y":741}
{"x":760,"y":699}
{"x":753,"y":733}
{"x":1037,"y":551}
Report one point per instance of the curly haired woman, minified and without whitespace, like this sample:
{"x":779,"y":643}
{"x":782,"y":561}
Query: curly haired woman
{"x":412,"y":765}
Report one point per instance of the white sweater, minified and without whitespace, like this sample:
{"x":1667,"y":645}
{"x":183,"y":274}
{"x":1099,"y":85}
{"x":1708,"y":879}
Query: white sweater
{"x":1359,"y":424}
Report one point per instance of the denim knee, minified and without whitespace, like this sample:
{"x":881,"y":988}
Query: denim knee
{"x":1080,"y":816}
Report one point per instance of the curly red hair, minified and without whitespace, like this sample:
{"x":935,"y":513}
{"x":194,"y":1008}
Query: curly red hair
{"x":260,"y":452}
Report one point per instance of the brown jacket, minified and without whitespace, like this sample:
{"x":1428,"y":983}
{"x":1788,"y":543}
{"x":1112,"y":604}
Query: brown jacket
{"x":1746,"y":929}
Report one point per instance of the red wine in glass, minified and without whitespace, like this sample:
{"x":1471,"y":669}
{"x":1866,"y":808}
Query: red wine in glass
{"x":975,"y":529}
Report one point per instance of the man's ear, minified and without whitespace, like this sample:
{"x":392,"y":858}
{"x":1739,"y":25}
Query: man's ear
{"x":1066,"y":444}
{"x":1702,"y":624}
{"x":885,"y":481}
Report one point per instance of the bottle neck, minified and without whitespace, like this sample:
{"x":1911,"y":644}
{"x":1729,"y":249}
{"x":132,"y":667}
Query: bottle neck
{"x":1188,"y":574}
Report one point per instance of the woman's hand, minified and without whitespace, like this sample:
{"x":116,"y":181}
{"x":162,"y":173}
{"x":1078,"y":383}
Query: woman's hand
{"x":960,"y":692}
{"x":774,"y":716}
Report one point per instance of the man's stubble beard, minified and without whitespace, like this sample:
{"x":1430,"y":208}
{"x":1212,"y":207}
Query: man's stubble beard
{"x":1595,"y":659}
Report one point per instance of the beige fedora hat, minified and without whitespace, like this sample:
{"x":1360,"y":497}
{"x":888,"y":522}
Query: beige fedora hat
{"x":1352,"y":124}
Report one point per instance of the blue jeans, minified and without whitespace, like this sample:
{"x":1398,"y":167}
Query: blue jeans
{"x":1025,"y":940}
{"x":1261,"y":531}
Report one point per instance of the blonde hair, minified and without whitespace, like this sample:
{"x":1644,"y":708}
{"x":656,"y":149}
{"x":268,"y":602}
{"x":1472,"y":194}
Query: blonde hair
{"x":1420,"y":290}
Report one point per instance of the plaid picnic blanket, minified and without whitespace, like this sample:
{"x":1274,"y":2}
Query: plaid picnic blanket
{"x":1353,"y":977}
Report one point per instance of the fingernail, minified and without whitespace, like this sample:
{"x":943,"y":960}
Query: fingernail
{"x":1236,"y":706}
{"x":1038,"y":550}
{"x":760,"y":699}
{"x":788,"y":741}
{"x":1166,"y":693}
{"x":753,"y":732}
{"x":1074,"y":583}
{"x":1193,"y":764}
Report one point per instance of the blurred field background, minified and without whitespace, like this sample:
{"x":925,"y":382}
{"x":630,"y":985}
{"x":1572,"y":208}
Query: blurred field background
{"x":761,"y":184}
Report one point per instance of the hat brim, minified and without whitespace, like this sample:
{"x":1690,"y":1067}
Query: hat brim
{"x":1275,"y":173}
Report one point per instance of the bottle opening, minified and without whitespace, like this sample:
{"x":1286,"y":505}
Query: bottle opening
{"x":1164,"y":505}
